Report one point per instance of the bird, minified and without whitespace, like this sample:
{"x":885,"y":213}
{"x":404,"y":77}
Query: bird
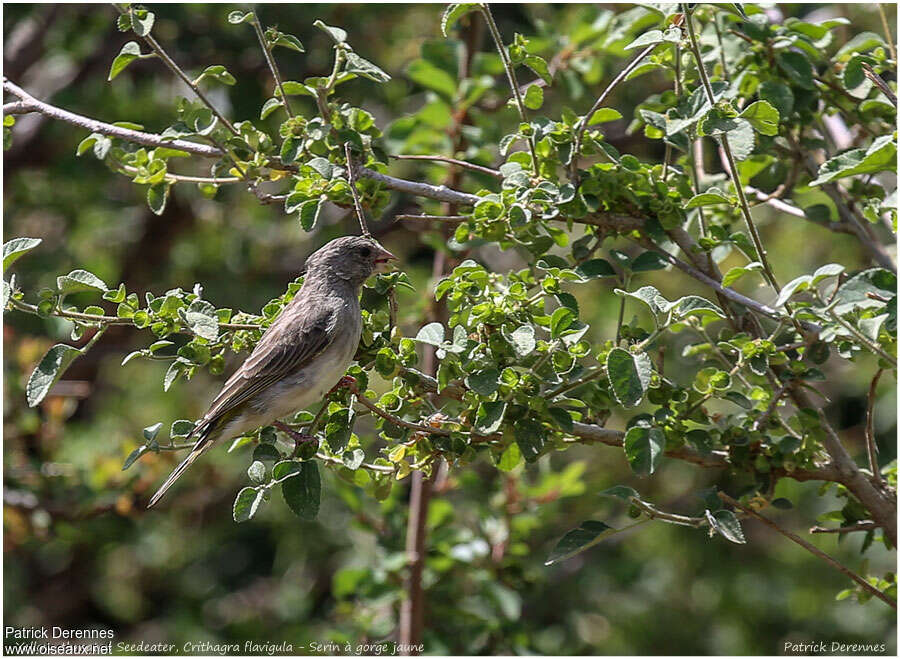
{"x":303,"y":353}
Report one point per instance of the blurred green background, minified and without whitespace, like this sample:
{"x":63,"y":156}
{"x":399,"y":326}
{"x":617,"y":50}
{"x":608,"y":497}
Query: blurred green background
{"x":79,"y":552}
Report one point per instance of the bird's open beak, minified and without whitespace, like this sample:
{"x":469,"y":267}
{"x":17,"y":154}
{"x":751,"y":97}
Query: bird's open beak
{"x":383,"y":258}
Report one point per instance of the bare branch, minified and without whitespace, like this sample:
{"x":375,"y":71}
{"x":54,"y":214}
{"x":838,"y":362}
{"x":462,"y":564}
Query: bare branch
{"x":861,"y":526}
{"x":871,"y":447}
{"x":31,"y":104}
{"x":453,"y":161}
{"x":438,"y":192}
{"x":812,"y":549}
{"x":582,"y":125}
{"x":270,"y":60}
{"x":351,"y":176}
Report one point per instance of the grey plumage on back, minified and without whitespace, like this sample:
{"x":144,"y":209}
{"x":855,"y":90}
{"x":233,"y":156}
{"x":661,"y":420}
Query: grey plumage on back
{"x":301,"y":355}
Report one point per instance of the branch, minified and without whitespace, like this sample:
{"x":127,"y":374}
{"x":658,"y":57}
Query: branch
{"x":453,"y":161}
{"x":437,"y":192}
{"x":880,"y":83}
{"x":582,"y":125}
{"x":169,"y":62}
{"x":110,"y":320}
{"x":267,"y":51}
{"x":732,"y":167}
{"x":861,"y":526}
{"x":712,"y":283}
{"x":510,"y":75}
{"x":871,"y":448}
{"x":812,"y":549}
{"x":351,"y":176}
{"x":30,"y":104}
{"x":455,"y":219}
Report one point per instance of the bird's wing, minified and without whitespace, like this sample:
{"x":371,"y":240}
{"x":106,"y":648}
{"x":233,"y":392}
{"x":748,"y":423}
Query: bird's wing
{"x":294,"y":339}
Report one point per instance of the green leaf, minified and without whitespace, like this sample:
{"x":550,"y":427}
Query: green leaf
{"x":880,"y":156}
{"x":531,"y":438}
{"x":646,"y":39}
{"x":236,"y":17}
{"x":794,"y":286}
{"x":309,"y":213}
{"x":711,"y":197}
{"x":270,"y":106}
{"x":595,"y":268}
{"x":539,"y":66}
{"x":510,"y":458}
{"x":432,"y":334}
{"x":720,"y":119}
{"x":727,"y":525}
{"x":454,"y":12}
{"x":288,"y":41}
{"x":560,"y":321}
{"x":338,"y":35}
{"x":604,"y":115}
{"x":157,"y":196}
{"x":648,"y":262}
{"x":622,"y":492}
{"x":246,"y":503}
{"x":489,"y":416}
{"x":644,"y":449}
{"x":78,"y":281}
{"x":218,"y":73}
{"x":363,"y":67}
{"x":629,"y":375}
{"x":130,"y":52}
{"x":142,"y":21}
{"x":256,"y":472}
{"x":762,"y":116}
{"x":578,"y":540}
{"x":534,"y":97}
{"x":150,"y":432}
{"x":779,"y":95}
{"x":523,"y":340}
{"x":303,"y":491}
{"x":201,"y":319}
{"x":484,"y":383}
{"x":17,"y":247}
{"x":134,"y":455}
{"x":737,"y":272}
{"x":797,"y":68}
{"x":48,"y":372}
{"x":431,"y":77}
{"x":854,"y":293}
{"x":861,"y":43}
{"x":854,"y":77}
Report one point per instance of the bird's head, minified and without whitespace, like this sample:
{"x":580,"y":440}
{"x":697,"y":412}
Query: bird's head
{"x":351,"y":258}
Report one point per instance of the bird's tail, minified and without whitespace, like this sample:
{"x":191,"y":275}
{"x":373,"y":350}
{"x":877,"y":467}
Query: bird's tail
{"x":203,"y":442}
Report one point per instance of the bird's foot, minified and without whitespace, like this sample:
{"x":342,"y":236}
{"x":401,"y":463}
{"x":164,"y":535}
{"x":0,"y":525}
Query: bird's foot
{"x":298,"y":437}
{"x":347,"y":381}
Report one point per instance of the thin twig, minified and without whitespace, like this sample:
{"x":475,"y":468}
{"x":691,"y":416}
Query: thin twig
{"x":732,"y":166}
{"x":453,"y":161}
{"x":861,"y":526}
{"x":887,"y":32}
{"x":682,"y":520}
{"x":871,"y":447}
{"x":270,"y":60}
{"x":455,"y":219}
{"x":880,"y":83}
{"x":109,"y":320}
{"x":510,"y":75}
{"x":582,"y":125}
{"x":812,"y":549}
{"x":169,"y":62}
{"x":351,"y":176}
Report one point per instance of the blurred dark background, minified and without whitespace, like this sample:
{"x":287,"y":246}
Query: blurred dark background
{"x":79,"y":553}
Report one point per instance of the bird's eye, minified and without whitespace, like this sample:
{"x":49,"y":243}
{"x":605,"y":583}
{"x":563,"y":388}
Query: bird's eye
{"x":365,"y":252}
